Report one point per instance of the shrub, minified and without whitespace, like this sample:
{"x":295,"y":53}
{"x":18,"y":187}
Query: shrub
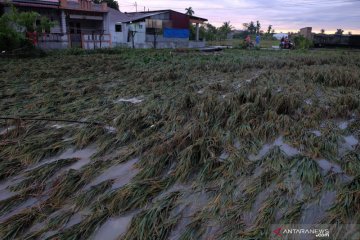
{"x":302,"y":43}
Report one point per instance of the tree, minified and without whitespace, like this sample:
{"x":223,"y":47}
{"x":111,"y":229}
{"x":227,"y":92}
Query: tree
{"x":111,"y":3}
{"x":210,"y":32}
{"x":339,"y":31}
{"x":225,"y":29}
{"x":252,"y":27}
{"x":14,"y":25}
{"x":322,"y":31}
{"x":269,"y":29}
{"x":350,"y":33}
{"x":258,"y":27}
{"x":189,"y":11}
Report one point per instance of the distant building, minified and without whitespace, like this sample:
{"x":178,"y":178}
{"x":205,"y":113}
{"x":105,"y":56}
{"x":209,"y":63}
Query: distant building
{"x":330,"y":40}
{"x":84,"y":24}
{"x":160,"y":29}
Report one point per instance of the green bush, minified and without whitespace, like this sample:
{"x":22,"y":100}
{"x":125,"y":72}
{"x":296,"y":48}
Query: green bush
{"x":302,"y":43}
{"x":15,"y":24}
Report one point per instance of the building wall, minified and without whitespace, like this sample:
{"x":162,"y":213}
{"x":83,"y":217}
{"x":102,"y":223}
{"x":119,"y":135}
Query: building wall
{"x":179,"y":20}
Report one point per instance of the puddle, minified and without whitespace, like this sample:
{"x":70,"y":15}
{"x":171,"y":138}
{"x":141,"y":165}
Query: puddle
{"x":5,"y":194}
{"x":122,"y":174}
{"x":308,"y":101}
{"x":189,"y":205}
{"x":316,"y":133}
{"x":6,"y":130}
{"x":130,"y":100}
{"x":345,"y":124}
{"x":327,"y":166}
{"x":77,"y":218}
{"x":250,"y":216}
{"x":351,"y":140}
{"x":110,"y":129}
{"x":237,"y":144}
{"x":316,"y":211}
{"x":348,"y":144}
{"x":287,"y":149}
{"x":83,"y":154}
{"x":27,"y":204}
{"x":58,"y":126}
{"x":114,"y":227}
{"x":224,"y":155}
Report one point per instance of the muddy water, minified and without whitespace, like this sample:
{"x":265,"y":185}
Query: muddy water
{"x":84,"y":155}
{"x":316,"y":211}
{"x":348,"y":144}
{"x":327,"y":167}
{"x":190,"y":203}
{"x":250,"y":216}
{"x":122,"y":174}
{"x":6,"y":130}
{"x":114,"y":227}
{"x":287,"y":149}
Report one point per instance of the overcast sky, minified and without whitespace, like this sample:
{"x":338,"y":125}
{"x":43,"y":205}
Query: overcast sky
{"x":290,"y":15}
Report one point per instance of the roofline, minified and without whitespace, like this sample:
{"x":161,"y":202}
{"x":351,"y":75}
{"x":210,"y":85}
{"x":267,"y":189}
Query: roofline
{"x":169,"y":10}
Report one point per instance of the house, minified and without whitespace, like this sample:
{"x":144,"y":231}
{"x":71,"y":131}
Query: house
{"x":78,"y":23}
{"x":155,"y":29}
{"x":84,"y":24}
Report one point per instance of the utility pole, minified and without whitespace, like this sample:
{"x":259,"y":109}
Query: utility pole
{"x":136,"y":6}
{"x":144,"y":9}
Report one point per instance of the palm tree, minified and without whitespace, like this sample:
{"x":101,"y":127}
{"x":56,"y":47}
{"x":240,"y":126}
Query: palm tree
{"x":339,"y":31}
{"x":322,"y":31}
{"x":189,"y":11}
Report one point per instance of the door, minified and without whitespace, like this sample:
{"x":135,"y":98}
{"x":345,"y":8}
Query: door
{"x":75,"y":34}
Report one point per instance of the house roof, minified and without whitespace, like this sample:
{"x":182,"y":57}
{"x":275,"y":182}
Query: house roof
{"x":34,"y":3}
{"x":117,"y":16}
{"x":135,"y":16}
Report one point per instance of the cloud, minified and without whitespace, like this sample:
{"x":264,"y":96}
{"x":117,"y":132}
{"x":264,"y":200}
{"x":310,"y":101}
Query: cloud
{"x":283,"y":15}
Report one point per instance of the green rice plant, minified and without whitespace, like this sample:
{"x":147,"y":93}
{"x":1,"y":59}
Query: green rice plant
{"x":154,"y":223}
{"x":275,"y":160}
{"x":195,"y":229}
{"x":9,"y":167}
{"x":308,"y":171}
{"x":14,"y":226}
{"x":10,"y":203}
{"x":285,"y":104}
{"x":85,"y":228}
{"x":293,"y":213}
{"x":42,"y":173}
{"x":133,"y":195}
{"x":84,"y":199}
{"x":350,"y":163}
{"x":347,"y":202}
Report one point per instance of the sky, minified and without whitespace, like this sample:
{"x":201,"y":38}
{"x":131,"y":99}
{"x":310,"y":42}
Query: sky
{"x":285,"y":16}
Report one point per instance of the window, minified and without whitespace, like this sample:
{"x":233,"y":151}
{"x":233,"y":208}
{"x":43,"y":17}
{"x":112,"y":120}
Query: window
{"x":118,"y":28}
{"x":140,"y":26}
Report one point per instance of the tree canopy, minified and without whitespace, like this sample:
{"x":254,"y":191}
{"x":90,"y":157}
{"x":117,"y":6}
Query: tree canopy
{"x":189,"y":11}
{"x":111,"y":3}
